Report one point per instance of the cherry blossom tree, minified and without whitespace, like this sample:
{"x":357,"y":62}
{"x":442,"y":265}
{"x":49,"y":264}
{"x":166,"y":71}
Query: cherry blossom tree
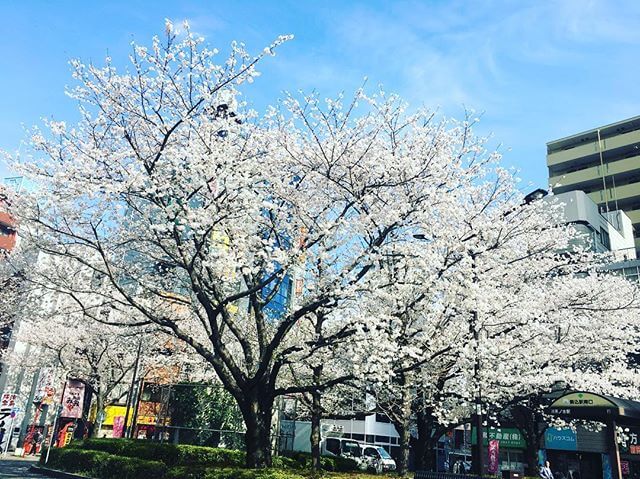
{"x":172,"y":205}
{"x":176,"y":197}
{"x":502,"y":301}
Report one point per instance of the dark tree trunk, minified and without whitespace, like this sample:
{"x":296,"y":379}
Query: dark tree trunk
{"x":429,"y":431}
{"x":531,"y":454}
{"x":532,"y":435}
{"x":402,"y":421}
{"x":256,"y":411}
{"x":403,"y":459}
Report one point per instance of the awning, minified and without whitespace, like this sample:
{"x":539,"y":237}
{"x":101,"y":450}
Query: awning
{"x":596,"y":407}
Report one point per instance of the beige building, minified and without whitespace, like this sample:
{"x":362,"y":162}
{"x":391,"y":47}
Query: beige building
{"x":604,"y":163}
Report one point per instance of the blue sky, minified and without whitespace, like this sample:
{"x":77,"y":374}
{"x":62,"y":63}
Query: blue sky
{"x":537,"y":70}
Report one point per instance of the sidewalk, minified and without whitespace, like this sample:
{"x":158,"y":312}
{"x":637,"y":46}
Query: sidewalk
{"x":11,"y":457}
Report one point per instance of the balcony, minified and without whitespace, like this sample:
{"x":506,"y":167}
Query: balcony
{"x":594,"y":174}
{"x":591,"y":148}
{"x":624,"y":192}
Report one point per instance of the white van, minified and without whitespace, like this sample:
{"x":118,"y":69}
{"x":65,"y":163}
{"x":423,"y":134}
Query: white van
{"x":377,"y":458}
{"x":338,"y":446}
{"x":368,"y":456}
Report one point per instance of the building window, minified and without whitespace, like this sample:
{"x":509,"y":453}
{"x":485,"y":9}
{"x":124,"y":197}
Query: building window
{"x":604,"y":239}
{"x":382,"y":418}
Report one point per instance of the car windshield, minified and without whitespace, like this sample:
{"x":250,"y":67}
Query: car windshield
{"x":383,"y":453}
{"x":351,"y":448}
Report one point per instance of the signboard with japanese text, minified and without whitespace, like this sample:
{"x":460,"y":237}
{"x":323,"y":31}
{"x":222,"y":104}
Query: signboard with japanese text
{"x":630,"y":442}
{"x":73,"y":399}
{"x":8,"y":400}
{"x":561,"y":439}
{"x":45,"y":390}
{"x":508,"y":437}
{"x":118,"y":426}
{"x":574,"y":400}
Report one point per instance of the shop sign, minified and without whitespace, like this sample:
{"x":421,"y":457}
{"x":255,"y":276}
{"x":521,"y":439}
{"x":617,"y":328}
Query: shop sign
{"x":8,"y":400}
{"x":45,"y":389}
{"x":508,"y":437}
{"x":73,"y":399}
{"x":494,"y":456}
{"x":118,"y":426}
{"x":111,"y":412}
{"x":580,"y":400}
{"x":561,"y":439}
{"x":630,"y":442}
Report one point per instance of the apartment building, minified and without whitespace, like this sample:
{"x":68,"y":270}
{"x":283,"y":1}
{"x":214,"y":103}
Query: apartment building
{"x":604,"y":163}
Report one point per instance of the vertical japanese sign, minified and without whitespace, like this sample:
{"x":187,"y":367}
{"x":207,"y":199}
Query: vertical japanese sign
{"x":118,"y":426}
{"x":73,"y":399}
{"x":8,"y":401}
{"x":45,"y":390}
{"x":7,"y":408}
{"x":494,"y":456}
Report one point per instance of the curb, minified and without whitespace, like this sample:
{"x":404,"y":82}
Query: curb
{"x":55,"y":473}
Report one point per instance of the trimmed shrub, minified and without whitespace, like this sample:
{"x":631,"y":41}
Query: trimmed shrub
{"x":141,"y":449}
{"x":102,"y":465}
{"x":201,"y":459}
{"x":115,"y":467}
{"x":209,"y":456}
{"x":230,"y":473}
{"x":302,"y":460}
{"x":170,"y":454}
{"x":74,"y":460}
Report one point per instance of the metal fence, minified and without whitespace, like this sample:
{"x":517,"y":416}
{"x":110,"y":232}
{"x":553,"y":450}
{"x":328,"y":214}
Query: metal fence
{"x":210,"y":437}
{"x":447,"y":475}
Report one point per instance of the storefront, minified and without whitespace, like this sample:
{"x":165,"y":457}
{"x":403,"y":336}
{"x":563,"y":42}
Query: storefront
{"x":508,"y":446}
{"x":593,"y":454}
{"x":146,"y":421}
{"x":630,"y":453}
{"x":576,"y":453}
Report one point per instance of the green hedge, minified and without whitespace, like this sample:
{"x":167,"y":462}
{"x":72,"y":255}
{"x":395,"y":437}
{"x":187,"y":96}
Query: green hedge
{"x":189,"y":472}
{"x":151,"y":451}
{"x":203,"y":458}
{"x":169,"y":454}
{"x":209,"y":456}
{"x":302,"y":460}
{"x":102,"y":465}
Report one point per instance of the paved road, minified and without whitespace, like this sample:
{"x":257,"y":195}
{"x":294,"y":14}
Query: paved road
{"x":18,"y":469}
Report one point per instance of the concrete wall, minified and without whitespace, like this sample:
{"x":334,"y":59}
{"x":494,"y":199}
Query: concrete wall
{"x":580,"y":209}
